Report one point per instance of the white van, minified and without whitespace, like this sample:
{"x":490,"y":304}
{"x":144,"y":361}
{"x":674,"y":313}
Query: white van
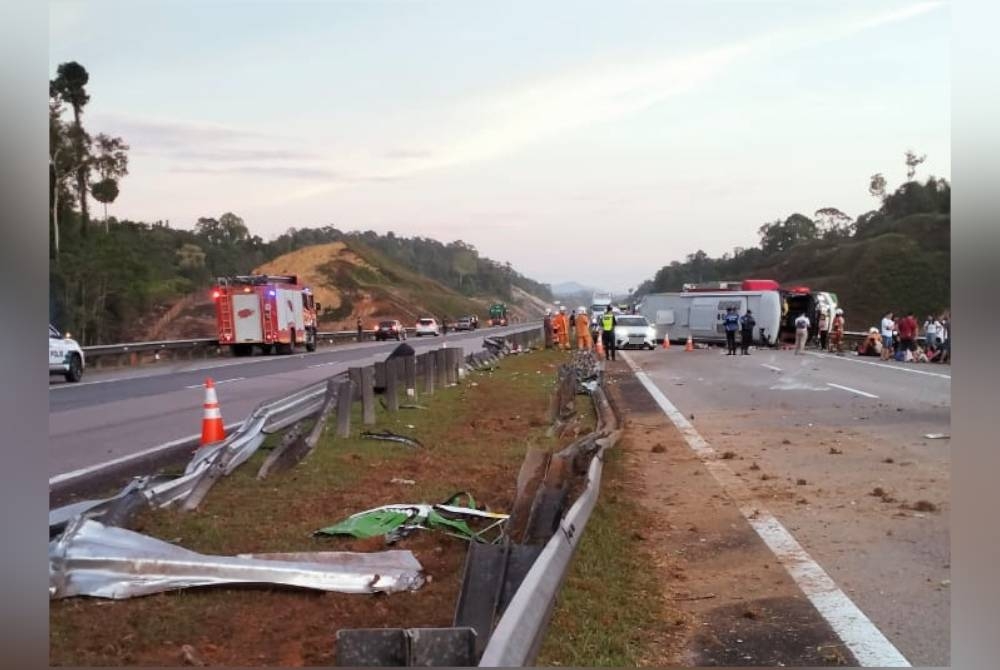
{"x":65,"y":356}
{"x":700,"y":314}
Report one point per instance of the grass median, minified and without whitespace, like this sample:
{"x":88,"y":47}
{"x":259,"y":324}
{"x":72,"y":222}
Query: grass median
{"x":609,"y":612}
{"x":475,"y":436}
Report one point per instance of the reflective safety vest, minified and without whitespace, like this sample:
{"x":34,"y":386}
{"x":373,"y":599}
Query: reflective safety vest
{"x":607,"y":322}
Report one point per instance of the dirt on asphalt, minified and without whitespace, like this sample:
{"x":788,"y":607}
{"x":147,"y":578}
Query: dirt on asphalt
{"x":730,"y":602}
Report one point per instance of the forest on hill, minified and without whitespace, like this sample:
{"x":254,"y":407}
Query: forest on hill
{"x":110,"y":278}
{"x":896,"y":257}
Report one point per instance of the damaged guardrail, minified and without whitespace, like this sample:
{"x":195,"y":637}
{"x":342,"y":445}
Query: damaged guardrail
{"x":518,"y":635}
{"x":211,"y":463}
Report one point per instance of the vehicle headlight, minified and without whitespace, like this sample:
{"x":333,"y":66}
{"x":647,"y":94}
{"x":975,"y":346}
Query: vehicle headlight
{"x":651,"y":333}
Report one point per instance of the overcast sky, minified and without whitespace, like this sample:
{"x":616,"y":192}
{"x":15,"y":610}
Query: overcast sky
{"x":588,"y":141}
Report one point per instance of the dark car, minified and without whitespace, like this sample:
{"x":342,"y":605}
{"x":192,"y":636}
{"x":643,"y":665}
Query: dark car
{"x":390,"y":330}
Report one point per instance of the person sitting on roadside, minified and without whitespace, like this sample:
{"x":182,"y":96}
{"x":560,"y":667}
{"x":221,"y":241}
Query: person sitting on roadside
{"x":872,"y":346}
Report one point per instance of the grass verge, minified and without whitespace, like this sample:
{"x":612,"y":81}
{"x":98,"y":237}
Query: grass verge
{"x":610,"y":608}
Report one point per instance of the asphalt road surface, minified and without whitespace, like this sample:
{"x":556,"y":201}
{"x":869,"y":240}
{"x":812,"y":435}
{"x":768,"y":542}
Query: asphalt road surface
{"x":836,"y":448}
{"x":110,"y":415}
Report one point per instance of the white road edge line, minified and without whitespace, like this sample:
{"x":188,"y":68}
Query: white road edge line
{"x":124,"y":459}
{"x":870,"y":647}
{"x":770,"y":367}
{"x":850,"y":390}
{"x":881,"y":365}
{"x":221,"y":381}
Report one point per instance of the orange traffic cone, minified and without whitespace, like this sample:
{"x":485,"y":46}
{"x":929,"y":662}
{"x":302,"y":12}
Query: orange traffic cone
{"x":599,"y":349}
{"x":212,"y":429}
{"x":666,"y":340}
{"x":690,"y":344}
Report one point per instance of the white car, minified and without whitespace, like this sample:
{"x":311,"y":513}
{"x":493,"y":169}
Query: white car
{"x":65,"y":356}
{"x":427,"y":327}
{"x":632,"y":330}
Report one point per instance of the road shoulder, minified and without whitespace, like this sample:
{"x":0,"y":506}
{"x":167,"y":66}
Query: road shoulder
{"x":736,"y":604}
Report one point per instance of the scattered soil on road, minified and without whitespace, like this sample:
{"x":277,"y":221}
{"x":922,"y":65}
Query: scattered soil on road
{"x":725,"y":598}
{"x":476,"y":437}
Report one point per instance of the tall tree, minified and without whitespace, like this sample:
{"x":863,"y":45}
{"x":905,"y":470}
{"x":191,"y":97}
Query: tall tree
{"x":833,"y":223}
{"x":876,"y":186}
{"x":70,"y":85}
{"x":912,"y":161}
{"x":110,"y":161}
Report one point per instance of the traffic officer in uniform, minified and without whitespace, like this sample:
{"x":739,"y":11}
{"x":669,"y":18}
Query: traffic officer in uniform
{"x":607,"y":323}
{"x":747,"y":322}
{"x":731,"y":323}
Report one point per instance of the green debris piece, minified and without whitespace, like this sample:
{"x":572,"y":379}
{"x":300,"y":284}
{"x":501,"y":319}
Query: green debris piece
{"x":368,"y":524}
{"x":397,"y":521}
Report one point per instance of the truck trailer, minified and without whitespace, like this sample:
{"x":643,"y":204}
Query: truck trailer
{"x":269,"y":312}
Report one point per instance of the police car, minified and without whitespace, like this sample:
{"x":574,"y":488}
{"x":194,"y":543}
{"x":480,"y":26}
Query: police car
{"x":65,"y":356}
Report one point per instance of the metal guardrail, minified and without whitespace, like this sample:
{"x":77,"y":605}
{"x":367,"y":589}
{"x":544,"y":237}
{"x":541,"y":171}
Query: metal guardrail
{"x":133,"y":352}
{"x":518,"y":636}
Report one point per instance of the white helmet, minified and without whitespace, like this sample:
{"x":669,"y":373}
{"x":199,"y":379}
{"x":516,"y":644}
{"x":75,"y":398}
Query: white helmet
{"x":840,"y":311}
{"x":562,"y":308}
{"x":548,"y":311}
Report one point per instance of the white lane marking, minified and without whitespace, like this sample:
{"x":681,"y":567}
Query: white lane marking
{"x":870,"y":647}
{"x":221,"y":381}
{"x":900,"y":367}
{"x":850,"y":390}
{"x":770,"y":367}
{"x":130,"y":457}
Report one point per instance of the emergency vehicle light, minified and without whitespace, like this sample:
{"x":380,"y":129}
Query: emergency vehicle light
{"x":246,"y":290}
{"x":271,"y":292}
{"x":215,"y":295}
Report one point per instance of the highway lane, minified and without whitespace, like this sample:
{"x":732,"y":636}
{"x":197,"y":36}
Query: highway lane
{"x":122,"y":413}
{"x":813,"y":436}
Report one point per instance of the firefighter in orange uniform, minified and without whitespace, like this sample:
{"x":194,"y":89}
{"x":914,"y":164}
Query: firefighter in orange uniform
{"x":563,"y":328}
{"x":583,"y":339}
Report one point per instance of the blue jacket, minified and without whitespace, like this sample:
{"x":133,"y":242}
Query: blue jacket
{"x":732,"y":322}
{"x":747,"y":323}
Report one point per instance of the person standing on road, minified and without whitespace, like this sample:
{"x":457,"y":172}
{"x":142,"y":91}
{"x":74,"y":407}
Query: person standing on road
{"x":888,"y":325}
{"x":837,"y":341}
{"x":444,"y":326}
{"x":801,"y":333}
{"x":907,"y":332}
{"x":824,"y":326}
{"x":563,"y":329}
{"x":548,"y":325}
{"x":361,"y":330}
{"x":932,"y":332}
{"x":731,"y":323}
{"x":608,"y":333}
{"x":583,"y":341}
{"x":747,"y":322}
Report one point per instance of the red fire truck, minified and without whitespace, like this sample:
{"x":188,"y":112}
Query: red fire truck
{"x":272,"y":312}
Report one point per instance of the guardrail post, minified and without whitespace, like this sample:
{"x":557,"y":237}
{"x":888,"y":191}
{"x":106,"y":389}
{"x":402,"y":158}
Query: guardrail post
{"x":427,"y":362}
{"x":392,"y":385}
{"x":380,"y":374}
{"x":440,"y":368}
{"x":451,"y":371}
{"x":368,"y":395}
{"x":354,"y":374}
{"x":410,"y":375}
{"x":345,"y":398}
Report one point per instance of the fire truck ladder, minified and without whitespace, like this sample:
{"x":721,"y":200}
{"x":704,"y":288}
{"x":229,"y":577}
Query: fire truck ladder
{"x":225,"y":309}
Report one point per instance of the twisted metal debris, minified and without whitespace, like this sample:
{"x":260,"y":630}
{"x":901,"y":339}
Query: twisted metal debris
{"x":91,"y":559}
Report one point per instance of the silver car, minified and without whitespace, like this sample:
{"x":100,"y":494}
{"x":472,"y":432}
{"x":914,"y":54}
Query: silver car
{"x":633,"y":331}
